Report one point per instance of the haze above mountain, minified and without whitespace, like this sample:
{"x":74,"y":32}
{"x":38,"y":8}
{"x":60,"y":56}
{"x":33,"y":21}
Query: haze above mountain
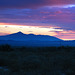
{"x":19,"y":36}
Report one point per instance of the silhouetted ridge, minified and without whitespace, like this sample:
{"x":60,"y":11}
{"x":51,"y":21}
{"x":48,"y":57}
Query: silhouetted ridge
{"x":20,"y":32}
{"x":19,"y":36}
{"x":21,"y":39}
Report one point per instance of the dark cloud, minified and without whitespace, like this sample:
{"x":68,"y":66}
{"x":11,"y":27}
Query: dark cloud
{"x":20,"y":3}
{"x":33,"y":3}
{"x":6,"y":26}
{"x":45,"y":17}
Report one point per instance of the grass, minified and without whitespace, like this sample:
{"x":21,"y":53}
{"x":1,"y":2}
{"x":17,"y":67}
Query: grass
{"x":37,"y":60}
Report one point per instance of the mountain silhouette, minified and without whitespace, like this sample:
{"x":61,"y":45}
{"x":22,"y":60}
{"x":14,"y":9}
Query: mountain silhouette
{"x":19,"y":36}
{"x":31,"y":40}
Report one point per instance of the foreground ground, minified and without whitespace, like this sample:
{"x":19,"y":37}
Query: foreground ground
{"x":37,"y":61}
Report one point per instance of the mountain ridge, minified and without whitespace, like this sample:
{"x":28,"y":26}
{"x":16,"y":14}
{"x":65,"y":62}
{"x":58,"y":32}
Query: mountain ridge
{"x":19,"y":36}
{"x":31,"y":40}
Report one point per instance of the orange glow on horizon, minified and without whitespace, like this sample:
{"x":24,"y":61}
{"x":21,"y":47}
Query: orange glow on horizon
{"x":6,"y":28}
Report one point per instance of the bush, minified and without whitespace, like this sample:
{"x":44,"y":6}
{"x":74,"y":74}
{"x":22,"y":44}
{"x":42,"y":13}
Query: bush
{"x":6,"y":48}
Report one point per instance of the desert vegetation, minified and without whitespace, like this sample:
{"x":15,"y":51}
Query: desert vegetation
{"x":37,"y":60}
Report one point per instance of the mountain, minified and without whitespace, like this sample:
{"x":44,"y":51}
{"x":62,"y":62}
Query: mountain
{"x":31,"y":40}
{"x":19,"y":36}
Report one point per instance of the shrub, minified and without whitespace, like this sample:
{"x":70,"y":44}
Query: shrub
{"x":6,"y":48}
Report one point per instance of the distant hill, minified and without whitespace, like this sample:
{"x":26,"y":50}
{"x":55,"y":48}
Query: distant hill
{"x":21,"y":39}
{"x":19,"y":36}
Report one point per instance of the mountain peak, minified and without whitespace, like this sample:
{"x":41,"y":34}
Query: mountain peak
{"x":19,"y":36}
{"x":31,"y":34}
{"x":20,"y":32}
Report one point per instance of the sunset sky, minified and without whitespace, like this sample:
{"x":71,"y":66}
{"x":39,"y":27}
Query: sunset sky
{"x":44,"y":17}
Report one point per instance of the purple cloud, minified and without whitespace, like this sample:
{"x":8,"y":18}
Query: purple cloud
{"x":20,"y":4}
{"x":59,"y":17}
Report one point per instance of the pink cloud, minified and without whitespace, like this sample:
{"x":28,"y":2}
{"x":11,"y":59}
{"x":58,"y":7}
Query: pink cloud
{"x":66,"y":34}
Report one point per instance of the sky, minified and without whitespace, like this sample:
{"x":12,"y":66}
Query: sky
{"x":44,"y":17}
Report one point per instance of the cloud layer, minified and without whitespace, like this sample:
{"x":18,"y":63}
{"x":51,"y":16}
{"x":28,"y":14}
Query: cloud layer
{"x":61,"y":17}
{"x":41,"y":13}
{"x":33,"y":3}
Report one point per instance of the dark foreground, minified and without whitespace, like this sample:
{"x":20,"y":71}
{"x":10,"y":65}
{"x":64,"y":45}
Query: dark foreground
{"x":37,"y":60}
